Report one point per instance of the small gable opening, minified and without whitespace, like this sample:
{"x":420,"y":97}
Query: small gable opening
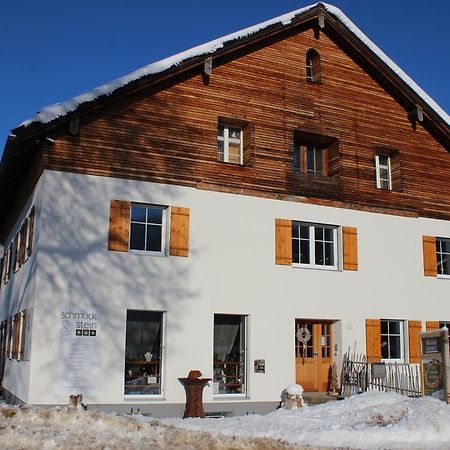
{"x":313,"y":70}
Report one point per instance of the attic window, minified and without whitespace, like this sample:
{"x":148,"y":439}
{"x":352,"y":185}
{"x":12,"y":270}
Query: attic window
{"x":315,"y":154}
{"x":388,"y":169}
{"x":313,"y":71}
{"x":234,"y":142}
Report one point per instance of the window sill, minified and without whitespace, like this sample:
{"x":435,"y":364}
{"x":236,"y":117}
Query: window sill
{"x":311,"y":267}
{"x":231,"y":164}
{"x":232,"y":397}
{"x":147,"y":253}
{"x":443,"y":277}
{"x":146,"y":398}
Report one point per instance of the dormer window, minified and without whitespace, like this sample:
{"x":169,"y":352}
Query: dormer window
{"x":313,"y":71}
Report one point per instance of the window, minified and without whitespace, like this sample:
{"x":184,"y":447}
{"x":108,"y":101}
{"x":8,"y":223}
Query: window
{"x":313,"y":69}
{"x":148,"y":229}
{"x":392,"y":339}
{"x":383,"y":170}
{"x":314,"y":245}
{"x":443,"y":256}
{"x":230,"y":144}
{"x":143,"y":353}
{"x":141,"y":228}
{"x":229,"y":362}
{"x":310,"y":159}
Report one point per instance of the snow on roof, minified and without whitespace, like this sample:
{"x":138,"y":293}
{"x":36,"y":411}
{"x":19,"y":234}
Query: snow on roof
{"x":56,"y":110}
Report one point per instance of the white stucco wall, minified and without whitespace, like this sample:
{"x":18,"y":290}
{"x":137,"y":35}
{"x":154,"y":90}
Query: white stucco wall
{"x":19,"y":294}
{"x":230,"y":269}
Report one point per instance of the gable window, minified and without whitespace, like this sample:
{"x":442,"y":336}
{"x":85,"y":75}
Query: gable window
{"x":143,"y":353}
{"x":443,"y":256}
{"x":230,"y":144}
{"x":313,"y":69}
{"x":316,"y":155}
{"x":148,"y":228}
{"x":311,"y":159}
{"x":383,"y":171}
{"x":314,"y":245}
{"x":392,"y":340}
{"x":229,"y":362}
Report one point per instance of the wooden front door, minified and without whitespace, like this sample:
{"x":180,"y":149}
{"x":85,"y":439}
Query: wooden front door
{"x":313,"y":354}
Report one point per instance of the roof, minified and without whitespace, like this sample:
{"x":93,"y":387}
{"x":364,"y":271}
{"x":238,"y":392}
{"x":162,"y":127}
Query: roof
{"x":57,"y":110}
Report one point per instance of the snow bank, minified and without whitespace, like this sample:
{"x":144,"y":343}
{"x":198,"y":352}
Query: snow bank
{"x":52,"y":112}
{"x":34,"y":428}
{"x":373,"y":420}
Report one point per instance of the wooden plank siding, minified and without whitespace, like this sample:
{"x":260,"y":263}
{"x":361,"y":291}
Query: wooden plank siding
{"x":170,"y":135}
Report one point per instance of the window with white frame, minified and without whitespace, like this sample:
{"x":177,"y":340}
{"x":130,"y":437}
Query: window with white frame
{"x":392,"y":339}
{"x":148,"y":228}
{"x":229,"y":361}
{"x":230,"y":144}
{"x":443,"y":256}
{"x":383,"y":171}
{"x":314,"y":245}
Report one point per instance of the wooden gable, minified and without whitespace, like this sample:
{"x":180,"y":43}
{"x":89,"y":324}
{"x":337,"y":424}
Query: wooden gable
{"x":164,"y":128}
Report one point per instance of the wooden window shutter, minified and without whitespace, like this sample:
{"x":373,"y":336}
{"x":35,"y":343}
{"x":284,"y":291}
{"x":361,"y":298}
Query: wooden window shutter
{"x":2,"y":347}
{"x":414,"y":328}
{"x":2,"y":262}
{"x":179,"y":231}
{"x":432,"y":325}
{"x":119,"y":226}
{"x":373,"y":340}
{"x":23,"y":242}
{"x":350,"y":247}
{"x":325,"y":162}
{"x":16,"y":252}
{"x":247,"y":144}
{"x":16,"y":336}
{"x":31,"y":220}
{"x":283,"y":242}
{"x":316,"y":68}
{"x":24,"y":335}
{"x":10,"y":262}
{"x":10,"y":338}
{"x":429,"y":256}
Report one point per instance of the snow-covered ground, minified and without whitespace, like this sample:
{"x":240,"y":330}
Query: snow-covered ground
{"x":372,"y":420}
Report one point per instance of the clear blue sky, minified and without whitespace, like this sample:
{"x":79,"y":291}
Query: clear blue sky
{"x":53,"y":50}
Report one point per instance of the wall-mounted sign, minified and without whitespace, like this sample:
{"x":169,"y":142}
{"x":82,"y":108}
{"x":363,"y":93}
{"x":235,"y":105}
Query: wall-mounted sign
{"x":378,"y":370}
{"x":78,"y":359}
{"x":260,"y":366}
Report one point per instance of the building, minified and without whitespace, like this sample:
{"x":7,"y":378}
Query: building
{"x":251,"y":208}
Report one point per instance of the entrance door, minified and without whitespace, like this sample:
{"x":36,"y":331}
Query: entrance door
{"x":313,"y":354}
